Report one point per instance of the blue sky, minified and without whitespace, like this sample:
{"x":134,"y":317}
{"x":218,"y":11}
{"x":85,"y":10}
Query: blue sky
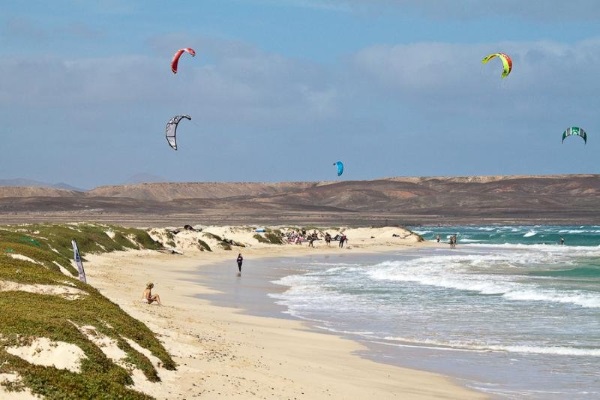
{"x":281,"y":89}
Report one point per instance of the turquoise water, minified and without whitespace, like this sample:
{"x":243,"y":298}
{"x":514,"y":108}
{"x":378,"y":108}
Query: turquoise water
{"x":510,"y":311}
{"x":588,"y":235}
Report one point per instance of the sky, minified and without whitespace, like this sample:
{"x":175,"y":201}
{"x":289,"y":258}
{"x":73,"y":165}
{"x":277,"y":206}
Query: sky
{"x":279,"y":90}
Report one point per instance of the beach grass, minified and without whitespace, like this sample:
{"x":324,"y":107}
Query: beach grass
{"x":34,"y":255}
{"x":203,"y":246}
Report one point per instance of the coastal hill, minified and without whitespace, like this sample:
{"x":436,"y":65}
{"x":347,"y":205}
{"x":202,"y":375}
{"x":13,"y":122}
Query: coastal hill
{"x":567,"y":199}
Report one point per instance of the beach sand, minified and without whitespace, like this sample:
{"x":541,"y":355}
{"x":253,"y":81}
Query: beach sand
{"x":224,"y":353}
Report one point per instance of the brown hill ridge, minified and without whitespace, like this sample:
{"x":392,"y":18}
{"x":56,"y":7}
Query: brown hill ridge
{"x":403,"y":200}
{"x":198,"y":190}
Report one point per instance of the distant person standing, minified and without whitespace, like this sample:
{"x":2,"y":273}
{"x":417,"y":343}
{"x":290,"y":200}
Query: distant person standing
{"x":437,"y":238}
{"x":342,"y":240}
{"x":452,"y":241}
{"x":562,"y":240}
{"x":240,"y":260}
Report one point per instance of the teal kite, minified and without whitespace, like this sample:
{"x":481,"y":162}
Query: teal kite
{"x":575,"y":131}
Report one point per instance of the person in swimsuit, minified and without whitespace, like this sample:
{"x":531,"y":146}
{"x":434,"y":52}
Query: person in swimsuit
{"x":148,"y":296}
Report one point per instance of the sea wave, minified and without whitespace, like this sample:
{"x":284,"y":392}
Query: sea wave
{"x":586,"y":300}
{"x":476,"y":347}
{"x":487,"y":274}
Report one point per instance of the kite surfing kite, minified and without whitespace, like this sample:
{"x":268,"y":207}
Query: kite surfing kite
{"x":171,"y":131}
{"x":177,"y":55}
{"x":340,"y":167}
{"x":506,"y":62}
{"x":575,"y":131}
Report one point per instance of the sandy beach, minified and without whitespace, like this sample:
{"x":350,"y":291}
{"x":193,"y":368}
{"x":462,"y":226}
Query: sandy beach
{"x":223,"y":353}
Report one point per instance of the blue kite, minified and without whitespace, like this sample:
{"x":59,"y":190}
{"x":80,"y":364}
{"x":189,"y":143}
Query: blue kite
{"x":340,"y":167}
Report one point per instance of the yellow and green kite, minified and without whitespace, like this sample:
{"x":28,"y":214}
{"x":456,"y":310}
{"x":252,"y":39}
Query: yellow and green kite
{"x":506,"y":62}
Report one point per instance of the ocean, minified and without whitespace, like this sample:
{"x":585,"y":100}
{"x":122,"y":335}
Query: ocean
{"x":509,"y":311}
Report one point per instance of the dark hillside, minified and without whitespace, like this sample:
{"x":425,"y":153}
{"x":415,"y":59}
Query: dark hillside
{"x":497,"y":199}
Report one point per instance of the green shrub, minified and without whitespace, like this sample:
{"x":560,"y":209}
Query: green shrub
{"x":270,"y":238}
{"x":213,"y":236}
{"x":225,"y":245}
{"x":26,"y":315}
{"x":273,"y":238}
{"x":203,"y":245}
{"x":260,"y":238}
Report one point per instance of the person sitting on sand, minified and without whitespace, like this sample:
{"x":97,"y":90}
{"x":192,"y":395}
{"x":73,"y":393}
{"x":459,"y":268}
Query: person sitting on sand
{"x":148,"y":296}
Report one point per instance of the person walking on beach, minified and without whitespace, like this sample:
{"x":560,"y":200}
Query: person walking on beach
{"x":240,"y":260}
{"x":148,"y":296}
{"x":437,"y":238}
{"x":342,"y":240}
{"x":562,"y":240}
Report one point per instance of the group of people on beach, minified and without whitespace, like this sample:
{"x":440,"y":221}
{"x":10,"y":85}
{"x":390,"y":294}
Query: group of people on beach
{"x":295,"y":237}
{"x":300,"y":236}
{"x":451,"y":241}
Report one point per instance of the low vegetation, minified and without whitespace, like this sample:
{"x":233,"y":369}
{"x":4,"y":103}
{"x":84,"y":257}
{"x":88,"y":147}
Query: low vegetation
{"x":260,"y":238}
{"x":34,"y":255}
{"x":224,"y":243}
{"x":270,"y":237}
{"x":203,"y":246}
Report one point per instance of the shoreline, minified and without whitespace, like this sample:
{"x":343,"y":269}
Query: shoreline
{"x":258,"y":296}
{"x":223,"y":351}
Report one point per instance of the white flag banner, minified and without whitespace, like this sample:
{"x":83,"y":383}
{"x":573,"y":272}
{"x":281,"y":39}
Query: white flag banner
{"x":77,"y":259}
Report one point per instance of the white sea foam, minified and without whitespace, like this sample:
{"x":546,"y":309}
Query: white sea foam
{"x":479,"y":347}
{"x":421,"y":232}
{"x":502,"y":301}
{"x":587,"y":300}
{"x":488,"y":274}
{"x":567,"y":250}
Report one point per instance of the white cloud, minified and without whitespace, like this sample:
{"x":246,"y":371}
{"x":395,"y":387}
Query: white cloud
{"x":268,"y":88}
{"x":432,"y":73}
{"x":392,"y":102}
